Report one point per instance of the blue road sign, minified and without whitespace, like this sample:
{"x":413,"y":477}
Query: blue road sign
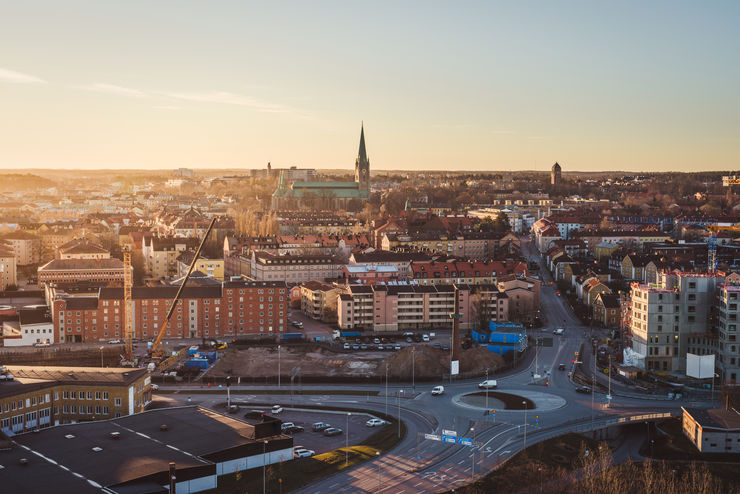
{"x":465,"y":441}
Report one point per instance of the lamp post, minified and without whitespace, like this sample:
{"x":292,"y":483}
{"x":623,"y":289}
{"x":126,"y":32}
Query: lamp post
{"x":472,"y":468}
{"x":714,"y":374}
{"x":386,"y":389}
{"x":486,"y":388}
{"x":101,"y":359}
{"x":346,"y":447}
{"x":525,"y":424}
{"x":400,"y":392}
{"x":377,"y":455}
{"x":413,"y":368}
{"x":264,"y":463}
{"x":278,"y":367}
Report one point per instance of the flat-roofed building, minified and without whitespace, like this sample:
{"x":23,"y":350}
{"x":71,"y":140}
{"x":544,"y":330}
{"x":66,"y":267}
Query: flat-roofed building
{"x":712,"y":431}
{"x":102,"y":271}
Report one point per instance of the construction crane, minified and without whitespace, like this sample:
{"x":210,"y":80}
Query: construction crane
{"x":155,"y":353}
{"x":712,"y":261}
{"x":128,"y":281}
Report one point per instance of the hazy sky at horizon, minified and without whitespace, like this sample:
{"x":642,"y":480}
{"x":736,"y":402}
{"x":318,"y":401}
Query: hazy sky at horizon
{"x":440,"y":85}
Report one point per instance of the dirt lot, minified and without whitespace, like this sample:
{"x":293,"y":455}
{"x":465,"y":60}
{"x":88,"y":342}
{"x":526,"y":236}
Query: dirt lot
{"x":428,"y":362}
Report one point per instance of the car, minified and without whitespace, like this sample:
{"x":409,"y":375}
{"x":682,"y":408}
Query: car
{"x":114,"y":342}
{"x":356,"y":346}
{"x":583,"y":389}
{"x":425,"y":338}
{"x":438,"y":390}
{"x":363,"y":347}
{"x":320,"y":426}
{"x":155,"y":387}
{"x":397,"y":347}
{"x":409,"y":339}
{"x":293,"y":429}
{"x":446,"y":348}
{"x":286,"y":425}
{"x":254,"y":414}
{"x":297,"y":324}
{"x":332,"y":431}
{"x":303,"y":453}
{"x":42,"y":344}
{"x":375,"y":422}
{"x":276,"y":409}
{"x":376,"y":340}
{"x":561,"y":367}
{"x":488,"y":384}
{"x":347,"y":346}
{"x":380,"y":347}
{"x":558,"y":331}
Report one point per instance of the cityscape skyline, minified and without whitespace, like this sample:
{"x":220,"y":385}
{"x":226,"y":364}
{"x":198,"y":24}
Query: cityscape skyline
{"x":492,"y":87}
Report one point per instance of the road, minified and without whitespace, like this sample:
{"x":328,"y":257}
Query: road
{"x":423,"y":465}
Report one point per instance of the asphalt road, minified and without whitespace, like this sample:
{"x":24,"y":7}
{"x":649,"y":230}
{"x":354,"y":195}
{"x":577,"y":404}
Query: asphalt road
{"x":422,"y":465}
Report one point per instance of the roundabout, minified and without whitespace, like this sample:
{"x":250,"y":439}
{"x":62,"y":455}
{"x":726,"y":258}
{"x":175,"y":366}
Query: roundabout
{"x":513,"y":401}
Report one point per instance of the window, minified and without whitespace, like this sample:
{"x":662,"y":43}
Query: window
{"x":118,"y":402}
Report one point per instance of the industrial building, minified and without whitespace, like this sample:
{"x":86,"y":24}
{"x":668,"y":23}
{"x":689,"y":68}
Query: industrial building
{"x":502,"y":338}
{"x":132,"y":455}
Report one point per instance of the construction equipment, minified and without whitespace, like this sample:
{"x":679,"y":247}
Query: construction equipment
{"x":128,"y":281}
{"x":155,"y":353}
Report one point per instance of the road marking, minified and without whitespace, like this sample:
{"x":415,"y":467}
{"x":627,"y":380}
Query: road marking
{"x":334,"y":485}
{"x":461,"y":462}
{"x":417,"y":485}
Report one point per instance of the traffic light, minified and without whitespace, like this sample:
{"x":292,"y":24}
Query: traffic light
{"x":228,"y":381}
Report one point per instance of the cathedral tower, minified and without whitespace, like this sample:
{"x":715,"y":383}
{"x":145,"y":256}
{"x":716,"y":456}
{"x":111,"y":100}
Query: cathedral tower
{"x":362,"y":165}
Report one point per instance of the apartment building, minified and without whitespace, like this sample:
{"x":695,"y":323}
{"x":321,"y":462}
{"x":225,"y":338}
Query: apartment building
{"x":82,"y":248}
{"x":25,"y":246}
{"x":100,"y":271}
{"x":231,"y":308}
{"x":399,"y":307}
{"x":727,"y":344}
{"x":319,"y":300}
{"x":665,"y":314}
{"x":212,"y":267}
{"x":294,"y":269}
{"x":35,"y":397}
{"x":463,"y":272}
{"x":161,"y":253}
{"x":8,"y":269}
{"x":471,"y":245}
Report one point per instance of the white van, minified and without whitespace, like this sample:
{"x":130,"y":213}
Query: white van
{"x":489,"y":384}
{"x":559,"y":332}
{"x":438,"y":390}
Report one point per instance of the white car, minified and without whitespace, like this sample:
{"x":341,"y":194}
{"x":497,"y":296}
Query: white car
{"x":558,"y":331}
{"x":438,"y":390}
{"x":115,"y":342}
{"x":489,"y":384}
{"x":155,"y":387}
{"x":375,"y":422}
{"x":277,"y":409}
{"x":303,"y":453}
{"x":425,"y":338}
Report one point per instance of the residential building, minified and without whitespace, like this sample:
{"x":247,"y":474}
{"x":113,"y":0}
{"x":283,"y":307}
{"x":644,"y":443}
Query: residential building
{"x":319,"y":300}
{"x":463,"y":272}
{"x":82,"y":249}
{"x":161,"y":253}
{"x":470,"y":245}
{"x":8,"y":268}
{"x":232,"y":308}
{"x":100,"y":271}
{"x":32,"y":326}
{"x":606,"y":310}
{"x":728,"y":344}
{"x":523,"y":294}
{"x":34,"y":397}
{"x":294,"y":269}
{"x":26,"y":247}
{"x":665,"y":314}
{"x":367,"y":274}
{"x":212,"y":267}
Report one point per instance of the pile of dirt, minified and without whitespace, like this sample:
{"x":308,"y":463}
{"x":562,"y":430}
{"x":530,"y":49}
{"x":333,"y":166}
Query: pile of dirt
{"x":432,"y":362}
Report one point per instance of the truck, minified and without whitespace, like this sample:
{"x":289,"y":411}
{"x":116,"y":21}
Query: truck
{"x":291,"y":336}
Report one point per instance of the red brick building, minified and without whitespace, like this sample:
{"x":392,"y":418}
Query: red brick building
{"x":231,"y":309}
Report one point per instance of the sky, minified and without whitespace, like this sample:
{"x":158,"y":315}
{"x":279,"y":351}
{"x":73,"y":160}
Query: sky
{"x":439,"y":85}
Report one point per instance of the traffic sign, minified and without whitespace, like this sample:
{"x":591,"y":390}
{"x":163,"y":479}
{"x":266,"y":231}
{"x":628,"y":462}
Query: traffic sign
{"x":449,"y":433}
{"x":449,"y":439}
{"x":433,"y":437}
{"x":465,"y":441}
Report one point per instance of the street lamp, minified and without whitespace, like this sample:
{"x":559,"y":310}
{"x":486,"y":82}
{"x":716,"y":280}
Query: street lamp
{"x":386,"y":389}
{"x":400,"y":392}
{"x":278,"y":367}
{"x":486,"y":388}
{"x":346,"y":448}
{"x":413,"y":368}
{"x":525,"y":423}
{"x":472,"y":469}
{"x":264,"y":462}
{"x":101,"y":359}
{"x":714,"y":374}
{"x":377,"y":455}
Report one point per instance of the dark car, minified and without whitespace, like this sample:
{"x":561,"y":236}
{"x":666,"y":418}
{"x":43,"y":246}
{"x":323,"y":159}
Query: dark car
{"x":293,"y":429}
{"x":583,"y":389}
{"x":561,"y":367}
{"x":332,"y":431}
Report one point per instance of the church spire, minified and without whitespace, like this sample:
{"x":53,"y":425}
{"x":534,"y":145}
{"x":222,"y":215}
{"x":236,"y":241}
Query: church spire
{"x":362,"y":154}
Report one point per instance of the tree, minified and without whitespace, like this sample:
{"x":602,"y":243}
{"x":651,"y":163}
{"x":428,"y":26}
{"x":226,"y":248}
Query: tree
{"x":502,"y":223}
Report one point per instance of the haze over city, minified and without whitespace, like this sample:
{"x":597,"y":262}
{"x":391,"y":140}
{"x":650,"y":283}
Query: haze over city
{"x":440,"y":86}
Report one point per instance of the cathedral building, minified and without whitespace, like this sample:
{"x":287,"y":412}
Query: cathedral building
{"x":327,"y":195}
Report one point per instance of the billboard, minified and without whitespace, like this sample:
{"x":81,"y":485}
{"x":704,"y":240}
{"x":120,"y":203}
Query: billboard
{"x":700,"y":366}
{"x":455,"y":367}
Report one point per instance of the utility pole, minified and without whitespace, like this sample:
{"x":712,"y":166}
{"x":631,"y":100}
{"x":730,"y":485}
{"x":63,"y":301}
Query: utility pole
{"x":386,"y":388}
{"x":525,"y":424}
{"x":278,"y":367}
{"x":413,"y":369}
{"x":609,"y":374}
{"x":400,"y":392}
{"x":486,"y":389}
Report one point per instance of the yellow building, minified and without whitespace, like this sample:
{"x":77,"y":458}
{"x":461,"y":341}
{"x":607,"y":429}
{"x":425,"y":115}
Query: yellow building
{"x":8,"y":271}
{"x":34,"y":397}
{"x":212,"y":267}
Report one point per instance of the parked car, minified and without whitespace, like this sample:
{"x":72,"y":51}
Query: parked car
{"x":356,"y":346}
{"x":559,"y":331}
{"x":425,"y":338}
{"x":155,"y":387}
{"x":380,"y":347}
{"x":42,"y":344}
{"x":293,"y":429}
{"x":320,"y":426}
{"x":303,"y":453}
{"x":114,"y":342}
{"x":277,"y":409}
{"x":438,"y":390}
{"x":297,"y":324}
{"x":376,"y":340}
{"x":375,"y":422}
{"x":561,"y":367}
{"x":332,"y":431}
{"x":409,"y":339}
{"x":347,"y":346}
{"x":397,"y":347}
{"x":583,"y":389}
{"x":489,"y":384}
{"x":363,"y":347}
{"x":286,"y":425}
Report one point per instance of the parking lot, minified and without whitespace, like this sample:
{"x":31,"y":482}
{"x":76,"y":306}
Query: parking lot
{"x":317,"y":441}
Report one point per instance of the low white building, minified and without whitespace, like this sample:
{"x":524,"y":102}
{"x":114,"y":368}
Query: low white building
{"x":32,"y":326}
